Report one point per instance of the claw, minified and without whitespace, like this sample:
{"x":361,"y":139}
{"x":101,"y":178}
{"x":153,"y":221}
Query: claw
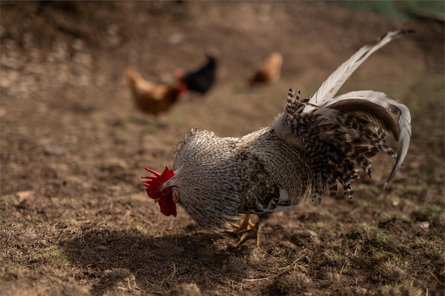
{"x":238,"y":229}
{"x":251,"y":233}
{"x":245,"y":226}
{"x":247,"y":230}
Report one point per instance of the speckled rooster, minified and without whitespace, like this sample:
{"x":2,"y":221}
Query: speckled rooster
{"x":312,"y":145}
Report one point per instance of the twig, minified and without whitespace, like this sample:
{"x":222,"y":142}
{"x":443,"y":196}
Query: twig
{"x":283,"y":270}
{"x":171,"y":276}
{"x":341,"y":270}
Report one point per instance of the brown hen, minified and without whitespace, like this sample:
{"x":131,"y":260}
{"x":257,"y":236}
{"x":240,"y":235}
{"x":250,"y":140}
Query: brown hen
{"x":153,"y":98}
{"x":269,"y":71}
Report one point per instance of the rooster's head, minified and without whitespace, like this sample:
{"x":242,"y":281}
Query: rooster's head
{"x":165,"y":196}
{"x":180,"y":74}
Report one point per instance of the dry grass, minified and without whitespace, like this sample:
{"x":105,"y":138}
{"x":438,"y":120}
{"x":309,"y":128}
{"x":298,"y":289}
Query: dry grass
{"x":74,"y":219}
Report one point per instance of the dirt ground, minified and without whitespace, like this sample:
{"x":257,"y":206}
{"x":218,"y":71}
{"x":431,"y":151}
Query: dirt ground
{"x":74,"y":218}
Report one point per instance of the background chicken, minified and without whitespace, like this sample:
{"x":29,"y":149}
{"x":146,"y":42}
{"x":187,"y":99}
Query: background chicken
{"x":202,"y":79}
{"x":153,"y":98}
{"x":308,"y":148}
{"x":269,"y":71}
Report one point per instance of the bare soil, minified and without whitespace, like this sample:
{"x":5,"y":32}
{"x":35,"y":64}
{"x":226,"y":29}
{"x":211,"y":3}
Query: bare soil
{"x":74,"y":218}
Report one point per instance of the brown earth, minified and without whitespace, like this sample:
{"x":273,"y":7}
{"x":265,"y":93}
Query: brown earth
{"x":74,"y":218}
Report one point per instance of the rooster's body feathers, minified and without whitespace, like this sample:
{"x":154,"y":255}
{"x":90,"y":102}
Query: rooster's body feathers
{"x":256,"y":180}
{"x":312,"y":146}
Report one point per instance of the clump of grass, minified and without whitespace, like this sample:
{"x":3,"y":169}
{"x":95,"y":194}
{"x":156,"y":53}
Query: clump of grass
{"x":382,"y":245}
{"x":389,"y":267}
{"x":427,"y":213}
{"x":370,"y":233}
{"x":388,"y":218}
{"x":369,"y":205}
{"x":417,"y":189}
{"x":399,"y":289}
{"x":140,"y":226}
{"x":334,"y":258}
{"x":433,"y":248}
{"x":54,"y":255}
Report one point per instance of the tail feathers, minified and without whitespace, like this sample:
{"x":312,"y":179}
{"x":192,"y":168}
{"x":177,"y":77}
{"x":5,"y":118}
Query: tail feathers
{"x":338,"y":133}
{"x":335,"y":81}
{"x":403,"y":132}
{"x":346,"y":133}
{"x":368,"y":110}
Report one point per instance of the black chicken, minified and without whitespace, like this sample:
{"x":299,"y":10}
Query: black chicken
{"x":200,"y":80}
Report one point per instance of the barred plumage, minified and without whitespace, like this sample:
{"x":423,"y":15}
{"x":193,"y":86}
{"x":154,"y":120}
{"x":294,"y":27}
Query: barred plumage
{"x":315,"y":143}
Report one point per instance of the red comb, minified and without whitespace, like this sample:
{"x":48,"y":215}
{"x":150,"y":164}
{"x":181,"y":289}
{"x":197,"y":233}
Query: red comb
{"x":154,"y":183}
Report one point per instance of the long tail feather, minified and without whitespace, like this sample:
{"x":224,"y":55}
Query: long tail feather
{"x":340,"y":133}
{"x":335,"y":81}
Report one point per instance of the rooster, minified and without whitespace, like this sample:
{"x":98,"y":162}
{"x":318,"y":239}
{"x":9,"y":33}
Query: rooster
{"x":202,"y":79}
{"x":312,"y":145}
{"x":269,"y":71}
{"x":153,"y":98}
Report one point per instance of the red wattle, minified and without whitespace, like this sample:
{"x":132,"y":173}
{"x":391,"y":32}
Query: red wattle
{"x":167,"y":205}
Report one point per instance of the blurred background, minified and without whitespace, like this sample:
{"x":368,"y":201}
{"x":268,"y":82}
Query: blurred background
{"x":74,"y":144}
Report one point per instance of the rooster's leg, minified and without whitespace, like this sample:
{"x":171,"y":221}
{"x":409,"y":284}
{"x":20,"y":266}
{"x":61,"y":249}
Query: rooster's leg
{"x":253,"y":232}
{"x":245,"y":226}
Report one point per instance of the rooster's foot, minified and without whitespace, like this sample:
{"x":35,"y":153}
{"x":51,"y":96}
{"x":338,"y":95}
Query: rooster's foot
{"x":245,"y":226}
{"x":246,"y":230}
{"x":253,"y":232}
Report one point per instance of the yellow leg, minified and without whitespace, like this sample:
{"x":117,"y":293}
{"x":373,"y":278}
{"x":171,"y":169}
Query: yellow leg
{"x":252,"y":232}
{"x":247,"y":230}
{"x":246,"y":225}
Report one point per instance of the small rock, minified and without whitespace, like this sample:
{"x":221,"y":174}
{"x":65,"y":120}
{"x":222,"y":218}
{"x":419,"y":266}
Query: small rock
{"x":102,"y":248}
{"x":23,"y":195}
{"x":44,"y":243}
{"x":440,"y":219}
{"x":55,"y":150}
{"x":359,"y":291}
{"x":312,"y":233}
{"x":78,"y":44}
{"x":424,"y":224}
{"x":113,"y":35}
{"x":113,"y":29}
{"x":115,"y":164}
{"x":2,"y":111}
{"x":185,"y":290}
{"x":175,"y":38}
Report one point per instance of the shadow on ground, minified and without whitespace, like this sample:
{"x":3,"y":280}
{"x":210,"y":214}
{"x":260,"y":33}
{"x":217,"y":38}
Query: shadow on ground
{"x":156,"y":263}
